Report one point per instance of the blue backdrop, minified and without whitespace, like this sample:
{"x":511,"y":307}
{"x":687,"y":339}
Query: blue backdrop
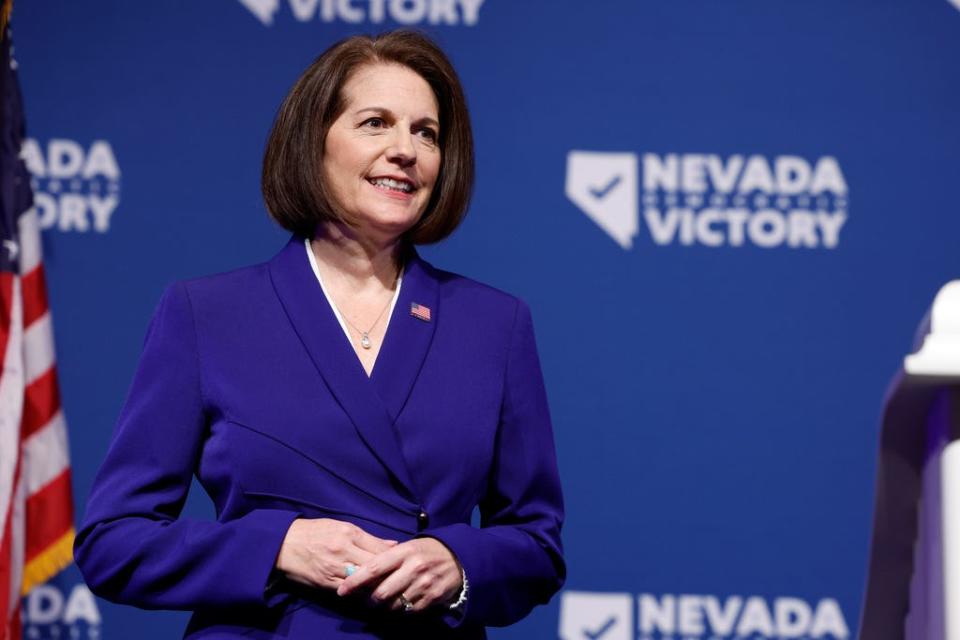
{"x":727,"y":217}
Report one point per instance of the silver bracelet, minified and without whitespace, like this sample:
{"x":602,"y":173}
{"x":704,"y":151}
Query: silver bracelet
{"x":462,"y":598}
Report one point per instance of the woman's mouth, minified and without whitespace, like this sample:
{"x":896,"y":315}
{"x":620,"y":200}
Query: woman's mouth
{"x":399,"y":186}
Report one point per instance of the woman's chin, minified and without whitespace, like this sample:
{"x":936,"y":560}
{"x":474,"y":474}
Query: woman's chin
{"x":385,"y":231}
{"x":391,"y":223}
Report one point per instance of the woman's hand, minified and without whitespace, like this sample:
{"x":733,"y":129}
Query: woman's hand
{"x":423,"y":570}
{"x":317,"y":552}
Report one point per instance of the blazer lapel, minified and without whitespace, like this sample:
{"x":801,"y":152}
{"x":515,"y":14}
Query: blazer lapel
{"x":409,"y":335}
{"x":321,"y":335}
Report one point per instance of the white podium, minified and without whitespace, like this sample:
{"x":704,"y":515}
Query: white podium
{"x":913,"y":580}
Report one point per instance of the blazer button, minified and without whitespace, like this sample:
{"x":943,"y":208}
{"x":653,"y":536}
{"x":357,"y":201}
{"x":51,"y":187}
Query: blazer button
{"x":422,"y":520}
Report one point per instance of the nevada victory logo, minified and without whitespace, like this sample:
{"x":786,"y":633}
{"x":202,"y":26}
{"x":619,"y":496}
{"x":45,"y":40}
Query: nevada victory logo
{"x":76,"y":187}
{"x":707,"y":200}
{"x":610,"y":616}
{"x":55,"y":611}
{"x":405,"y":12}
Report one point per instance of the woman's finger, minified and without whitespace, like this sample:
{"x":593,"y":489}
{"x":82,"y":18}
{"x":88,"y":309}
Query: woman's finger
{"x":415,"y":596}
{"x":373,"y":571}
{"x":371,"y":543}
{"x":424,"y":594}
{"x":392,"y":586}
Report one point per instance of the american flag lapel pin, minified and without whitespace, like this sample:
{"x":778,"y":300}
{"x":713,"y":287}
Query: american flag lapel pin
{"x":419,"y":311}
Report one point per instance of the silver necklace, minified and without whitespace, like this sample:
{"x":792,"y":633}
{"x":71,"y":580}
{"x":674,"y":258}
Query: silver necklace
{"x":365,"y":335}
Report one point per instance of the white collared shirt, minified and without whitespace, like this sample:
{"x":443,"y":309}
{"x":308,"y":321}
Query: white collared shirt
{"x":336,"y":312}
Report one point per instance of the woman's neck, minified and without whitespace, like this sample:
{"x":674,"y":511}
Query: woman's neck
{"x":356,"y":261}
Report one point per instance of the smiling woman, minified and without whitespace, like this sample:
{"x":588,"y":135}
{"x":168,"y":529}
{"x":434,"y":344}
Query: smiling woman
{"x":344,"y":460}
{"x":381,"y":162}
{"x":293,"y":173}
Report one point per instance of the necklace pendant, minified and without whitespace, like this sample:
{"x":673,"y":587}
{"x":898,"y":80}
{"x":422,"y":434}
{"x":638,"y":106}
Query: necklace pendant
{"x":365,"y":341}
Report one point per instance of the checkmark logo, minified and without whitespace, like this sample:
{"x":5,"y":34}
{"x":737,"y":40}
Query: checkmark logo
{"x":604,"y":186}
{"x":600,"y":193}
{"x":594,"y":635}
{"x":263,"y":10}
{"x":586,"y":615}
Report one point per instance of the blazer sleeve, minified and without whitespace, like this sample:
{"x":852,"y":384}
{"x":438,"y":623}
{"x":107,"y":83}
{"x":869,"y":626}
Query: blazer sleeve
{"x":514,"y":561}
{"x":132,"y":546}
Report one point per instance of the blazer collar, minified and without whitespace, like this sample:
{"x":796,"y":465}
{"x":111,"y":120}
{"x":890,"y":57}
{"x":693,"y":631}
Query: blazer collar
{"x":408,"y":337}
{"x":372,"y":403}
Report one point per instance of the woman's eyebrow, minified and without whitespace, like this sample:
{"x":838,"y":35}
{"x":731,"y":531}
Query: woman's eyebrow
{"x":372,"y":110}
{"x":428,"y":120}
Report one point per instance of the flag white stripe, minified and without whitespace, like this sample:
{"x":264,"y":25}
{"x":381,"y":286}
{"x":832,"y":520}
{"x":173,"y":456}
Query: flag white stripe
{"x":18,"y":544}
{"x":30,"y":249}
{"x":38,"y":348}
{"x":45,"y":454}
{"x":11,"y":404}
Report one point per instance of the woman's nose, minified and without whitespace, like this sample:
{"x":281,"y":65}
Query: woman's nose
{"x":402,"y":150}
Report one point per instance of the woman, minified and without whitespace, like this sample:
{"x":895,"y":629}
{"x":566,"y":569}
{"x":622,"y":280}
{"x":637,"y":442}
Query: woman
{"x":345,"y":405}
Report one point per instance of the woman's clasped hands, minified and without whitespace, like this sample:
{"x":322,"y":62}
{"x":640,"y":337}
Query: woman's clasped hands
{"x":413,"y":575}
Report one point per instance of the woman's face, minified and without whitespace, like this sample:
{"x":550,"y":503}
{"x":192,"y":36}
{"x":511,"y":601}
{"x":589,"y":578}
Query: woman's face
{"x":382,"y":155}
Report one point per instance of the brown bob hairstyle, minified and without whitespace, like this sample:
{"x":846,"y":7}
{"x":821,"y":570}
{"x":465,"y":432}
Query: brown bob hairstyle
{"x":292,"y":181}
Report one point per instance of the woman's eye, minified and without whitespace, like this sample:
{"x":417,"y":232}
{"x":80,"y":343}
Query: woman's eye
{"x":374,"y":123}
{"x":428,"y":134}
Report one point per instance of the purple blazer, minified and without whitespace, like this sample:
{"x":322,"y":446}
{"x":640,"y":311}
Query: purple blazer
{"x":247,"y":381}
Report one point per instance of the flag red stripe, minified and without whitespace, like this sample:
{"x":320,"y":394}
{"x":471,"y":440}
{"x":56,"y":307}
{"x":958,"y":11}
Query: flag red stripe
{"x":40,"y":403}
{"x":16,"y":627}
{"x":34,"y":295}
{"x":5,"y":571}
{"x":49,"y":514}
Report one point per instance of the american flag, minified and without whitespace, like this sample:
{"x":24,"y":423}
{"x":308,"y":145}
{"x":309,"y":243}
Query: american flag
{"x":36,"y":505}
{"x":420,"y":311}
